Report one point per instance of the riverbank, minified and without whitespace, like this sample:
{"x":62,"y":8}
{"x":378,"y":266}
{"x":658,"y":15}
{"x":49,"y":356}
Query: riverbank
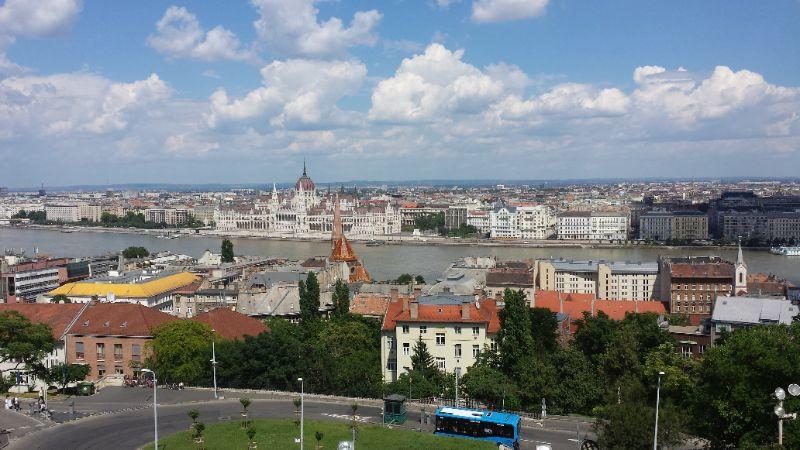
{"x":376,"y":240}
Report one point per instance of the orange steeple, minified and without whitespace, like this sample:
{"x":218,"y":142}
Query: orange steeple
{"x":341,"y":251}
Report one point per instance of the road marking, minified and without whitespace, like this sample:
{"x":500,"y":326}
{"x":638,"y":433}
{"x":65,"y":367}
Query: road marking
{"x":348,"y":417}
{"x":534,"y":441}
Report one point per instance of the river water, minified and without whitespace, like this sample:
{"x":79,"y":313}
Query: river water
{"x":383,"y":262}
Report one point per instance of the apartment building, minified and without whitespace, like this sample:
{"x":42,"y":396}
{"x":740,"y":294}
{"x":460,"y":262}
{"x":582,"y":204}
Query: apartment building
{"x":169,"y":216}
{"x":692,"y":284}
{"x":25,"y":281}
{"x":480,"y":219}
{"x":674,"y":225}
{"x":455,"y":329}
{"x":586,"y":225}
{"x":72,"y":213}
{"x":606,"y":280}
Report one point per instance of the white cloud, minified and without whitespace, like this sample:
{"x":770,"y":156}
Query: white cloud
{"x":290,"y":27}
{"x":436,"y":82}
{"x":67,"y":105}
{"x":179,"y":34}
{"x":507,"y":10}
{"x":25,"y":18}
{"x":296,"y":93}
{"x":37,"y":17}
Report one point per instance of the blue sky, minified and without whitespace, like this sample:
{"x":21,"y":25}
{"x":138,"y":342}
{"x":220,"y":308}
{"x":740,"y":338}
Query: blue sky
{"x":242,"y":91}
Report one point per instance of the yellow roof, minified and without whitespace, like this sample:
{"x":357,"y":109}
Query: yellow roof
{"x":137,"y":290}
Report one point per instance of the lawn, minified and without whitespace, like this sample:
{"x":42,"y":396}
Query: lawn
{"x":280,"y":434}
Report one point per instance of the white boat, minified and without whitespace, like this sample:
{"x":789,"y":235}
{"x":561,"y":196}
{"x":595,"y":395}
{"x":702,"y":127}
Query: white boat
{"x":785,"y":251}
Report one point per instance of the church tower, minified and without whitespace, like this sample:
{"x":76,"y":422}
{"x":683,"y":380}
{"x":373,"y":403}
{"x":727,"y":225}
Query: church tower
{"x":741,"y":274}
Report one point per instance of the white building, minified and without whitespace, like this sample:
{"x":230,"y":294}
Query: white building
{"x":589,"y":226}
{"x":305,"y":213}
{"x":607,"y":280}
{"x":169,"y":216}
{"x":522,"y":222}
{"x":62,"y":213}
{"x":455,"y":329}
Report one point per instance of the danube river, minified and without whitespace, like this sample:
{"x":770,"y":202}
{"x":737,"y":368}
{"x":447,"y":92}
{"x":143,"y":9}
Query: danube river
{"x":383,"y":262}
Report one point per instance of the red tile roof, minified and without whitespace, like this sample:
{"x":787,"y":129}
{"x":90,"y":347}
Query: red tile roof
{"x":368,"y":304}
{"x":486,"y":313}
{"x":575,"y":304}
{"x":57,"y":315}
{"x":703,"y":270}
{"x":231,"y":324}
{"x":119,"y":319}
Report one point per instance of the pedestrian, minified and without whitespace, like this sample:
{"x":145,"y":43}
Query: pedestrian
{"x":15,"y":403}
{"x":8,"y":402}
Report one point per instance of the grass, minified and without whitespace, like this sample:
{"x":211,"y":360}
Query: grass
{"x":280,"y":434}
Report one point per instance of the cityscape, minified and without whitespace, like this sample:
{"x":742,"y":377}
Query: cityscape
{"x":306,"y":224}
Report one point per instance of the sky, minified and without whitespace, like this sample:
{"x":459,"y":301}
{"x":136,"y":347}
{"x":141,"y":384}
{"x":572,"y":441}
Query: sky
{"x":96,"y":92}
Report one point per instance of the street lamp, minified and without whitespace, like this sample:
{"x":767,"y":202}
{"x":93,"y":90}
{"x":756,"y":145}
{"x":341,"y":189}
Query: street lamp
{"x":658,"y":399}
{"x":302,"y":406}
{"x":780,"y":394}
{"x":155,"y":406}
{"x":214,"y":362}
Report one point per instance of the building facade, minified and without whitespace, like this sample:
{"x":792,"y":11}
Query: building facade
{"x":592,"y":226}
{"x":454,"y":328}
{"x":606,"y":280}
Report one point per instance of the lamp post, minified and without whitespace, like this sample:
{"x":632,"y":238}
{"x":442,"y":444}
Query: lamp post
{"x":780,"y":394}
{"x":302,"y":406}
{"x":457,"y":373}
{"x":155,"y":406}
{"x":214,"y":361}
{"x":658,"y":399}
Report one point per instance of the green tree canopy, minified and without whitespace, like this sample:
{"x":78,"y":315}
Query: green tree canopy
{"x":65,"y":374}
{"x":734,"y":385}
{"x":544,"y":330}
{"x":23,"y":344}
{"x":309,"y":298}
{"x":135,"y":252}
{"x":347,"y":359}
{"x":422,"y":362}
{"x":629,"y":425}
{"x":227,"y":251}
{"x":180,"y":352}
{"x":60,"y":298}
{"x":514,"y":339}
{"x":341,"y":299}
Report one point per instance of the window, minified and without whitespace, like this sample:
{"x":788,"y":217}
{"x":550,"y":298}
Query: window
{"x":423,"y":329}
{"x":476,"y":330}
{"x":136,"y":352}
{"x":390,"y":342}
{"x":117,"y":352}
{"x":406,"y":349}
{"x":440,"y":364}
{"x":458,"y":351}
{"x":101,"y":350}
{"x":406,"y":329}
{"x":391,"y":365}
{"x":118,"y":370}
{"x":476,"y":350}
{"x":101,"y":370}
{"x":79,"y":350}
{"x":493,"y":345}
{"x":458,"y":330}
{"x":439,"y":338}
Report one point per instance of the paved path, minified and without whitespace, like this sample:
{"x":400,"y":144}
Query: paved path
{"x":20,"y":424}
{"x":123,"y":418}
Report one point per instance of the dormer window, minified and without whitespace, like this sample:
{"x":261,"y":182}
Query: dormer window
{"x":86,"y":323}
{"x":105,"y":324}
{"x":123,"y":325}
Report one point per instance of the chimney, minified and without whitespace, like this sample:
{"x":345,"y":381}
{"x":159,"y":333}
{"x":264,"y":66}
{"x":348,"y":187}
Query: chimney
{"x":393,"y":293}
{"x":560,"y":303}
{"x":414,"y":309}
{"x":498,"y":296}
{"x":593,"y":307}
{"x":406,"y":300}
{"x":465,"y":310}
{"x":417,"y":291}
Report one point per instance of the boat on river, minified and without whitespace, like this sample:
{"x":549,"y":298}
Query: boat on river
{"x":785,"y":251}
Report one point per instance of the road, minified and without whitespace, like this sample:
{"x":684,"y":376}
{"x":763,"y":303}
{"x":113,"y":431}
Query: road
{"x":123,"y":418}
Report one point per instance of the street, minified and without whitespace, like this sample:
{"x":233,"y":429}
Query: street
{"x":123,"y":418}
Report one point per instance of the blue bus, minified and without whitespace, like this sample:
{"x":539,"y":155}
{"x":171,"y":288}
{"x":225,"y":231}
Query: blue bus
{"x":499,"y":427}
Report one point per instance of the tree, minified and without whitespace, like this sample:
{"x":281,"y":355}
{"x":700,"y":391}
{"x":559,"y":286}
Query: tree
{"x":734,"y":385}
{"x":309,"y":298}
{"x":346,"y":359}
{"x":579,"y":389}
{"x":65,"y":374}
{"x":23,"y":344}
{"x":60,"y":298}
{"x":341,"y":299}
{"x":135,"y":252}
{"x":227,"y":251}
{"x":419,"y":280}
{"x":593,"y":333}
{"x":514,"y":339}
{"x":544,"y":330}
{"x":180,"y":351}
{"x":405,"y":278}
{"x":245,"y":404}
{"x":490,"y":386}
{"x":422,"y":362}
{"x":629,"y":425}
